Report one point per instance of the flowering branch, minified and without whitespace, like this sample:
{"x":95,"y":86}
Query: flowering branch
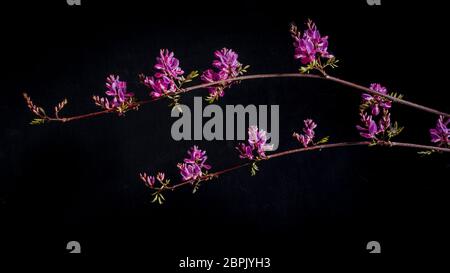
{"x":168,"y":80}
{"x":358,"y":87}
{"x":311,"y":49}
{"x":195,"y":182}
{"x":194,"y":169}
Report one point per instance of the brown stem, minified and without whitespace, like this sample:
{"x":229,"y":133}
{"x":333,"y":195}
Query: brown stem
{"x":312,"y":148}
{"x":397,"y":100}
{"x":267,"y":76}
{"x":93,"y":114}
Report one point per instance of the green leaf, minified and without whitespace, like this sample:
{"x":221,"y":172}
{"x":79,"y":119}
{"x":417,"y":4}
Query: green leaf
{"x":374,"y":143}
{"x":394,"y":130}
{"x":243,"y":69}
{"x":253,"y":169}
{"x":158,"y":197}
{"x":304,"y":70}
{"x":196,"y":187}
{"x":41,"y":110}
{"x":363,"y":107}
{"x":323,"y":140}
{"x":175,"y":101}
{"x":191,"y":76}
{"x":211,"y":99}
{"x":37,"y":121}
{"x":155,"y":198}
{"x":396,"y":95}
{"x":332,"y":62}
{"x":178,"y":107}
{"x":426,"y":152}
{"x":309,"y":67}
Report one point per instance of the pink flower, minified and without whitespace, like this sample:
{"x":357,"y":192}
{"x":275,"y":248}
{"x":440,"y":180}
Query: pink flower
{"x":117,"y":90}
{"x":378,"y":123}
{"x":189,"y":171}
{"x":227,"y":67}
{"x":149,"y":181}
{"x":168,"y":65}
{"x":211,"y":76}
{"x":257,"y":139}
{"x":375,"y":101}
{"x":384,"y":123}
{"x":441,"y":133}
{"x":311,"y":46}
{"x":164,"y":80}
{"x":369,"y":128}
{"x":308,"y":133}
{"x":304,"y":50}
{"x":257,"y":144}
{"x":227,"y":62}
{"x":197,"y":156}
{"x":193,"y":165}
{"x":160,"y":86}
{"x":160,"y":176}
{"x":245,"y":151}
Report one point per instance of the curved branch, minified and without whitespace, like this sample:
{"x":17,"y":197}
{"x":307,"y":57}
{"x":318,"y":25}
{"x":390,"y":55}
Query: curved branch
{"x":312,"y":148}
{"x":267,"y":76}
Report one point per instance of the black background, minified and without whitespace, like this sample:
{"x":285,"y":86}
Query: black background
{"x":79,"y":181}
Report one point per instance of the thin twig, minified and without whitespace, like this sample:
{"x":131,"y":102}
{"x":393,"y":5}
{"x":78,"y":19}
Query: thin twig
{"x":266,"y":76}
{"x":312,"y":148}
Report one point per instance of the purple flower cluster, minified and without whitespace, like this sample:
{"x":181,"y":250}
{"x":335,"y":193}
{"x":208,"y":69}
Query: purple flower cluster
{"x":167,"y":65}
{"x":227,"y":67}
{"x":257,"y":144}
{"x":162,"y":86}
{"x":369,"y":128}
{"x":311,"y":46}
{"x":378,"y":122}
{"x":117,"y":90}
{"x":168,"y":71}
{"x":376,"y":102}
{"x":308,"y":133}
{"x":193,"y":165}
{"x":441,"y":133}
{"x":150,"y":181}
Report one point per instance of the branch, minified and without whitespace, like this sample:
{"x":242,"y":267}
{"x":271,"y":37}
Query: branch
{"x":262,"y":76}
{"x":299,"y":150}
